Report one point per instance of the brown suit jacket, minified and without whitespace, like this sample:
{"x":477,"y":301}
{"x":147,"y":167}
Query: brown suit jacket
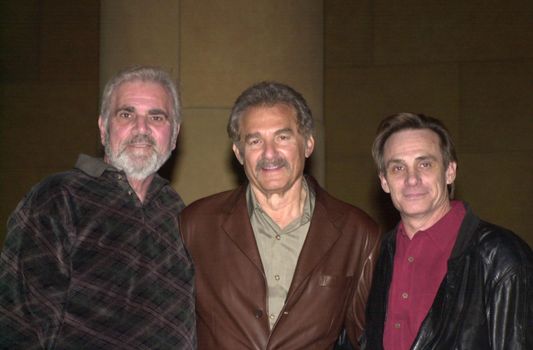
{"x":328,"y":290}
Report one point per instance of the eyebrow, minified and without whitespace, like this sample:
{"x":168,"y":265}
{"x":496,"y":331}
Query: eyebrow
{"x":284,"y":130}
{"x":153,"y":111}
{"x":251,"y":136}
{"x":418,"y":159}
{"x":257,"y":134}
{"x":426,"y":157}
{"x":130,"y":109}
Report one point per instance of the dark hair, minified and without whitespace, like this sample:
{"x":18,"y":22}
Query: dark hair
{"x":144,"y":74}
{"x":269,"y":93}
{"x":405,"y":121}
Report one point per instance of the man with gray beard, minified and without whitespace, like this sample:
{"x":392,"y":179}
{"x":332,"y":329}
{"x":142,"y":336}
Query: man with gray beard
{"x":93,"y":257}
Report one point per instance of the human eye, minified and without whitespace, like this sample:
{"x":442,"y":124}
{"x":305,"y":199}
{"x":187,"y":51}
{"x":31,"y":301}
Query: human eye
{"x":284,"y":136}
{"x":253,"y":141}
{"x":425,"y":164}
{"x":396,"y":168}
{"x":157,"y":118}
{"x":126,"y":115}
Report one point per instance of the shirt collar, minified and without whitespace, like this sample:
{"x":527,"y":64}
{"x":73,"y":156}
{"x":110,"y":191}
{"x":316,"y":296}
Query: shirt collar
{"x":95,"y":167}
{"x":443,"y":232}
{"x":92,"y":166}
{"x":309,"y":203}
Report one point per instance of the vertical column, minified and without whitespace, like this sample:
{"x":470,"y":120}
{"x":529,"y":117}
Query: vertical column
{"x":136,"y":32}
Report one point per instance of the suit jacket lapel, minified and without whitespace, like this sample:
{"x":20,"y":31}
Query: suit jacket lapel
{"x":239,"y":229}
{"x":321,"y":237}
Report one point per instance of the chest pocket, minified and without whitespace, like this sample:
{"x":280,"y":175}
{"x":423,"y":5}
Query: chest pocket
{"x":333,"y":292}
{"x":329,"y":281}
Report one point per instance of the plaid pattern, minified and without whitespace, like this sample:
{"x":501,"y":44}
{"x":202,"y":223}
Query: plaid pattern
{"x":86,"y":265}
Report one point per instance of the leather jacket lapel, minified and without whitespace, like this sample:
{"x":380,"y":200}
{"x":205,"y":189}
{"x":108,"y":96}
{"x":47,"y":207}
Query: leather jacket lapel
{"x":238,"y":228}
{"x":320,"y":239}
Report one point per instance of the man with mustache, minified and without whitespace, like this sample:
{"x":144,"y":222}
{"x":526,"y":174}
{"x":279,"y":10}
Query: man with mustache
{"x":280,"y":263}
{"x":445,"y":279}
{"x":93,"y":258}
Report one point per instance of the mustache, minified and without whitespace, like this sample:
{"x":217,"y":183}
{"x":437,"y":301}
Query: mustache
{"x":274,"y":162}
{"x":141,"y":138}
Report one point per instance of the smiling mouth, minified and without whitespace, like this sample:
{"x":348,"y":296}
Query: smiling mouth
{"x":271,"y":167}
{"x":414,"y":195}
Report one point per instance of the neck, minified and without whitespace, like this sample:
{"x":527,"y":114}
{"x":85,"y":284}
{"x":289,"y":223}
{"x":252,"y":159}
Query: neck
{"x":284,"y":207}
{"x":412,"y":225}
{"x":141,"y":186}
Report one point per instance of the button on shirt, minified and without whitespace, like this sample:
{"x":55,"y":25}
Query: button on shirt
{"x":279,"y":249}
{"x":420,"y":265}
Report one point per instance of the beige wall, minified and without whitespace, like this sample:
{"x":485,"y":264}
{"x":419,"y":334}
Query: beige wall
{"x":468,"y":63}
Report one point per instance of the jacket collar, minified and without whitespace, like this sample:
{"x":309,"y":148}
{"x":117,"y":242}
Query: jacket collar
{"x":466,"y":233}
{"x":238,"y":227}
{"x":464,"y":237}
{"x":322,"y":235}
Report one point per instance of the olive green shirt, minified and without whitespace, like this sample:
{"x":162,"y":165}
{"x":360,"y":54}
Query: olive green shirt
{"x":279,"y":248}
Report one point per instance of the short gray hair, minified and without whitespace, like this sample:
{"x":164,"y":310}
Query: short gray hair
{"x":144,"y":74}
{"x":268,"y":93}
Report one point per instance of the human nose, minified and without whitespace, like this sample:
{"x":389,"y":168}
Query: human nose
{"x":269,"y":149}
{"x":413,"y":177}
{"x":142,"y":125}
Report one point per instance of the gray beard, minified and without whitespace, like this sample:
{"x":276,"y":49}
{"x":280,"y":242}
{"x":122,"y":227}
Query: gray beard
{"x":136,"y":167}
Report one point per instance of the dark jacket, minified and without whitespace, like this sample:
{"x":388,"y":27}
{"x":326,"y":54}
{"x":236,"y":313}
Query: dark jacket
{"x":328,"y":290}
{"x":484,"y":301}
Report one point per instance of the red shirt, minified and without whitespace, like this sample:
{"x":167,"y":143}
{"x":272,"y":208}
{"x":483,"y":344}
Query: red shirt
{"x":420,"y":265}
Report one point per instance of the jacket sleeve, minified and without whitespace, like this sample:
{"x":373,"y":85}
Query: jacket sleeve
{"x":511,"y":311}
{"x":34,"y":276}
{"x":355,"y":317}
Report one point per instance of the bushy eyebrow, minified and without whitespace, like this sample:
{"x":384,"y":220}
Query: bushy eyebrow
{"x":247,"y":137}
{"x":283,"y":131}
{"x":131,"y":109}
{"x":157,"y":111}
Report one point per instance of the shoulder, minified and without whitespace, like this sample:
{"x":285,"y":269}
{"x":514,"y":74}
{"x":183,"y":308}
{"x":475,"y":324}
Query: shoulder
{"x":168,"y":199}
{"x":53,"y":187}
{"x":501,"y":250}
{"x":214,"y":204}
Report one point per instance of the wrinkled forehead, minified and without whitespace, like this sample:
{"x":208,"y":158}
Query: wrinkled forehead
{"x":261,"y":119}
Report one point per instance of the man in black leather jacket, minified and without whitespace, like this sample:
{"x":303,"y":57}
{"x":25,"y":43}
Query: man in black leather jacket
{"x":445,"y":279}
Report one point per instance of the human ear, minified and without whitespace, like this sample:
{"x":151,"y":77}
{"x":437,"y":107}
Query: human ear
{"x":238,"y":154}
{"x":384,"y":183}
{"x":103,"y":131}
{"x":175,"y":138}
{"x":451,"y":173}
{"x":309,"y":146}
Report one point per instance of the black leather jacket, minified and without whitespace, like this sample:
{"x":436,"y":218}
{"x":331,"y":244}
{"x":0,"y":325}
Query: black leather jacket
{"x":484,"y":302}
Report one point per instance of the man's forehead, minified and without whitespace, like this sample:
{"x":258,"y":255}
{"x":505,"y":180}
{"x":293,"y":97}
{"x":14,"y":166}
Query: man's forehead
{"x":278,"y":111}
{"x":414,"y":142}
{"x":141,"y":86}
